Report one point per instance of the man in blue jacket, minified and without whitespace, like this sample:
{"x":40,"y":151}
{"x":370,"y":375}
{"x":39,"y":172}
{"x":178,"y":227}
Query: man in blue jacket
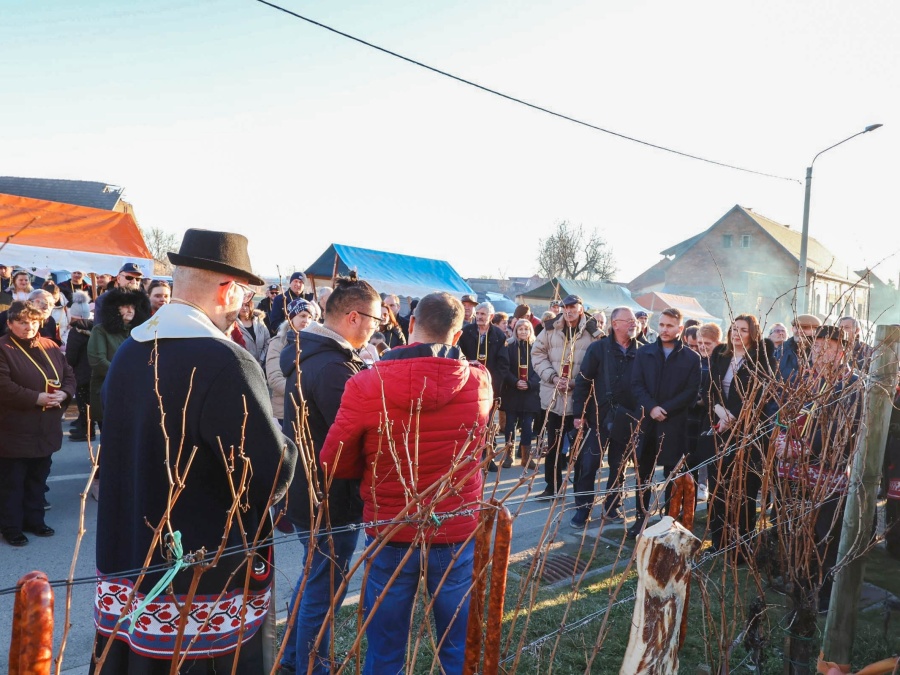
{"x":665,"y":382}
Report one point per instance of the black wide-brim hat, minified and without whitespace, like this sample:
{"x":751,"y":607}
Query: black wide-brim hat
{"x":224,"y":252}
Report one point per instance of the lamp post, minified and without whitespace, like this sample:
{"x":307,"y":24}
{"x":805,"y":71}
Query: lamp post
{"x":804,"y":237}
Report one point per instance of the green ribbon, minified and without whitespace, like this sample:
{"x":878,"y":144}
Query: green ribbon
{"x":179,"y":564}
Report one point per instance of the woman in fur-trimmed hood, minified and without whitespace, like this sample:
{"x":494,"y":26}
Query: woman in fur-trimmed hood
{"x":122,"y":309}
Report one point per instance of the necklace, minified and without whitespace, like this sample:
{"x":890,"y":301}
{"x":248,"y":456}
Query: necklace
{"x":40,"y":347}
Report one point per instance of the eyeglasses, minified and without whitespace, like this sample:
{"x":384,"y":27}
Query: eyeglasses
{"x":243,"y":287}
{"x":628,"y":321}
{"x":376,"y":319}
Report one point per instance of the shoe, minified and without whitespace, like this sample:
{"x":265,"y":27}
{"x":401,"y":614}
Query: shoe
{"x":507,"y":461}
{"x":635,"y":530}
{"x":41,"y":530}
{"x":613,"y":516}
{"x":545,"y":496}
{"x":579,"y":521}
{"x":492,"y":467}
{"x":702,"y":492}
{"x":74,"y":424}
{"x":15,"y":537}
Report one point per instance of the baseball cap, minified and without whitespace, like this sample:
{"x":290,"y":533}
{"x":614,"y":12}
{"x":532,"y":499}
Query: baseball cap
{"x":131,"y":268}
{"x":468,"y":297}
{"x":273,"y":287}
{"x":832,"y":333}
{"x":807,"y":321}
{"x":640,"y":314}
{"x":572,"y":300}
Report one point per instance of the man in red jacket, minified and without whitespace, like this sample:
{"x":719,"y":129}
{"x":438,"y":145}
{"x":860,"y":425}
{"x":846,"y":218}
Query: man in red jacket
{"x":412,"y":429}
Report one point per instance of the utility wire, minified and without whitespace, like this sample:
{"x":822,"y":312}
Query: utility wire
{"x":520,"y":101}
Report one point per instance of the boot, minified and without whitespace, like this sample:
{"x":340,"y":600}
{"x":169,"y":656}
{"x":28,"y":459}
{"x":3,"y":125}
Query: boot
{"x":507,"y":454}
{"x":525,"y":458}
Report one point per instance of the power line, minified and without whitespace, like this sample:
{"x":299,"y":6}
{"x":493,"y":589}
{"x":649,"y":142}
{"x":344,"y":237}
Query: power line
{"x":520,"y":101}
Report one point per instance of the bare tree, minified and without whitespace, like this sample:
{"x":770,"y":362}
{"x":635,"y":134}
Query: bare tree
{"x":160,"y":242}
{"x":571,"y":254}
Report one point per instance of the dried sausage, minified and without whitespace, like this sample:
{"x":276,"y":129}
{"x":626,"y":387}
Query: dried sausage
{"x":476,"y":602}
{"x":689,"y":501}
{"x":499,"y":568}
{"x":19,"y":625}
{"x":36,"y":626}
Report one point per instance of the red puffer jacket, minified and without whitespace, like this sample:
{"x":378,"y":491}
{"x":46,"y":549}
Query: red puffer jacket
{"x":431,"y":404}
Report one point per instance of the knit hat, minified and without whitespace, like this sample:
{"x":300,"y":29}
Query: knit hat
{"x":301,"y":305}
{"x":81,"y":306}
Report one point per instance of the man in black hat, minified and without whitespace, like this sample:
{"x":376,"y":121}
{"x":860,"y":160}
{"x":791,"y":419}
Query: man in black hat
{"x":469,"y":303}
{"x":293,"y":292}
{"x":129,"y":276}
{"x":265,"y":305}
{"x":193,"y":460}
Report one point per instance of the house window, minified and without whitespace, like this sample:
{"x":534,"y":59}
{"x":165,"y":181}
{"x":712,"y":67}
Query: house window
{"x":745,"y":241}
{"x":726,"y":241}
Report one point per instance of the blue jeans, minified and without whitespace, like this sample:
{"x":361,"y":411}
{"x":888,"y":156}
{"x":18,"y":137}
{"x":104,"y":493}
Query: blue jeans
{"x":325,"y":576}
{"x":388,"y":631}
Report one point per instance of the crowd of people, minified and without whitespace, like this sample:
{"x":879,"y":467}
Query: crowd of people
{"x":223,"y":417}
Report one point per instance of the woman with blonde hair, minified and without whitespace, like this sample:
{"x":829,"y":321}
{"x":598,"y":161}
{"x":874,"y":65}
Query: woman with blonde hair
{"x":520,"y":400}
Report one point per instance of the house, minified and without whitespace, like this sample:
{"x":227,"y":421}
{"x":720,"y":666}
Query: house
{"x":746,"y":262}
{"x":884,"y":300}
{"x":79,"y":192}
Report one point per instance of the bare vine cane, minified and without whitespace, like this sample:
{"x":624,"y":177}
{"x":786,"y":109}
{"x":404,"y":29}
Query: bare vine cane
{"x":476,"y":601}
{"x":499,"y":567}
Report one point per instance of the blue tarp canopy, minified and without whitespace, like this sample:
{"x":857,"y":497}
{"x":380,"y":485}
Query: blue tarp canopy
{"x":404,"y":275}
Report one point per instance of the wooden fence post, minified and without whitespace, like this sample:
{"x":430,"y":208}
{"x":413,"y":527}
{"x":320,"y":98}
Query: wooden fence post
{"x":663,"y":560}
{"x":859,"y":509}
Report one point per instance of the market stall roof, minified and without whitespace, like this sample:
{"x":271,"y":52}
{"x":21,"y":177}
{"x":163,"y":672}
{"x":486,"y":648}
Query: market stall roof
{"x":404,"y":275}
{"x":36,"y":234}
{"x":690,"y":307}
{"x":597,"y":295}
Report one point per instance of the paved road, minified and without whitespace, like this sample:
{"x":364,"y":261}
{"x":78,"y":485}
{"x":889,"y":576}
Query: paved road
{"x":54,"y":555}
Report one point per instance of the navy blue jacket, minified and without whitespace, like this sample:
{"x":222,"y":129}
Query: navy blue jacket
{"x":590,"y":397}
{"x":325,"y":367}
{"x":514,"y":399}
{"x":497,"y":356}
{"x":672,"y":383}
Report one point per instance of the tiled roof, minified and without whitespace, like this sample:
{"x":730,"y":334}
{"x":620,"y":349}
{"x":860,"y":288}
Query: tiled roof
{"x":80,"y":192}
{"x":818,"y":257}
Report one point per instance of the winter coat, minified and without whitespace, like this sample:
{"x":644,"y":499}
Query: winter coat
{"x":497,"y":358}
{"x":614,"y":412}
{"x":108,"y":334}
{"x":215,"y":401}
{"x":514,"y":399}
{"x":789,"y":363}
{"x":274,"y":376}
{"x":393,"y":336}
{"x":547,"y":355}
{"x":433,"y":398}
{"x":327,"y":361}
{"x":256,"y":341}
{"x":672,"y":383}
{"x":26,"y":429}
{"x":76,"y":349}
{"x":279,"y":307}
{"x":65,"y":287}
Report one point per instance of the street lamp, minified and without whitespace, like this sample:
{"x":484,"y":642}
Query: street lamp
{"x":804,"y":237}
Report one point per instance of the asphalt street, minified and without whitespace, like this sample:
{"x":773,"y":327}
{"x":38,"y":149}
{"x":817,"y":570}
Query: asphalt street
{"x":54,"y":555}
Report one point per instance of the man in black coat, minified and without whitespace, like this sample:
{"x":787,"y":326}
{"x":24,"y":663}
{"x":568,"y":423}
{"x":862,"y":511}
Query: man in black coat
{"x":76,"y":283}
{"x":328,"y":358}
{"x":192,"y":461}
{"x":603,"y":399}
{"x":484,"y":342}
{"x":665,"y":382}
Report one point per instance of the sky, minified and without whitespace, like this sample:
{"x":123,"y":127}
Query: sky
{"x":232,"y":115}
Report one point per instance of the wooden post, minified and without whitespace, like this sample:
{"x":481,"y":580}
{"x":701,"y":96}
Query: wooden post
{"x":663,"y":560}
{"x":859,"y":509}
{"x":334,"y":272}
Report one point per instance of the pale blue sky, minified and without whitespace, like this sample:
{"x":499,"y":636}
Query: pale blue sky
{"x":232,"y":115}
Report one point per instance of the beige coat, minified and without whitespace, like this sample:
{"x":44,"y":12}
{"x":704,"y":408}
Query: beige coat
{"x":274,"y":376}
{"x":547,"y":358}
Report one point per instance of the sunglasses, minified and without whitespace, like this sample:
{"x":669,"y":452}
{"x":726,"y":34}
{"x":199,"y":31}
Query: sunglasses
{"x":128,"y":277}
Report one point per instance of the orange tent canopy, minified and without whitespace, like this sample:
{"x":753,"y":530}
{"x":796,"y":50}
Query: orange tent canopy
{"x":38,"y":234}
